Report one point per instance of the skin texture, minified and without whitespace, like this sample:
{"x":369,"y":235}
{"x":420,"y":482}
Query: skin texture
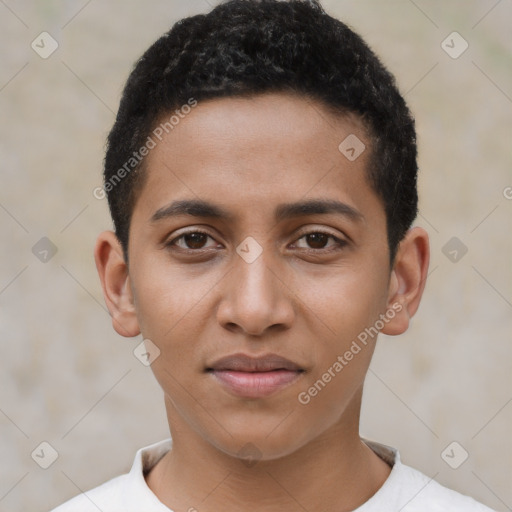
{"x":304,"y":298}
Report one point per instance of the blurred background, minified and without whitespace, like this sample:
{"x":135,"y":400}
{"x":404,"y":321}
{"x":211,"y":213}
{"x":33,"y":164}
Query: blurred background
{"x":441,"y":393}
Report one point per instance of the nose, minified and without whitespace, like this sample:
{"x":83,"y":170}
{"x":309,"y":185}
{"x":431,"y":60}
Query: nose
{"x":255,"y":298}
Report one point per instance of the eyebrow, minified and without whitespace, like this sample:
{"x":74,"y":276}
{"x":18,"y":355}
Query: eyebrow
{"x":200,"y":208}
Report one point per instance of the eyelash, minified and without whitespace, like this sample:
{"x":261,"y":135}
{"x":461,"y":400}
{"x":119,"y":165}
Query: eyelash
{"x":339,"y":242}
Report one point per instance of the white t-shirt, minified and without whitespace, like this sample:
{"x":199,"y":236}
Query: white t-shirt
{"x":405,"y":490}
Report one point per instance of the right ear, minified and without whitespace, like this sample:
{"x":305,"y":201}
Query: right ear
{"x":115,"y":281}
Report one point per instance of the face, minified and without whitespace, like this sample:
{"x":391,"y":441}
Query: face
{"x":258,"y":257}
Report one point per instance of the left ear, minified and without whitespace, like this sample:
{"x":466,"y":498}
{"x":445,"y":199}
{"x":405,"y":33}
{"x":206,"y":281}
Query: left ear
{"x":407,"y":280}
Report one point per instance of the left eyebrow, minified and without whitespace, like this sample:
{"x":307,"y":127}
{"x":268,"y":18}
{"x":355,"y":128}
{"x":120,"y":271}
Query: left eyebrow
{"x":199,"y":208}
{"x":317,"y":207}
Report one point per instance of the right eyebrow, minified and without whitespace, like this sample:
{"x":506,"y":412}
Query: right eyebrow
{"x":192,"y":207}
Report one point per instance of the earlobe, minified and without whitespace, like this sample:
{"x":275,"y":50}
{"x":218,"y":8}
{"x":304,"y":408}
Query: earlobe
{"x":407,"y":280}
{"x":115,"y":282}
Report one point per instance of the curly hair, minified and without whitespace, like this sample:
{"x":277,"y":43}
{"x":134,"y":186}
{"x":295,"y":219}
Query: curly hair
{"x":251,"y":47}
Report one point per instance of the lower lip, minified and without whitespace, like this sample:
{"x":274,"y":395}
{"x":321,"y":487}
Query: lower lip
{"x":255,"y":384}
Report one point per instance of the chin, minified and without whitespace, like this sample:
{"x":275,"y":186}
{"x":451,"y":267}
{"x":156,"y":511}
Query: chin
{"x":253,"y":441}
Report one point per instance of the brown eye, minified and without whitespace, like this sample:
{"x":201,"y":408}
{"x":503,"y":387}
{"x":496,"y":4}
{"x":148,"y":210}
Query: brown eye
{"x":193,"y":240}
{"x":317,"y":240}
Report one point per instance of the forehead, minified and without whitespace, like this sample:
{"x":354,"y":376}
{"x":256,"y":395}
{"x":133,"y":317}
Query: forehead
{"x":248,"y":154}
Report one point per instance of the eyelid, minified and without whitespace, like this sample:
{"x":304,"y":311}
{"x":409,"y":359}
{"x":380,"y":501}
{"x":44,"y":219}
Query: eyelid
{"x":342,"y":237}
{"x":313,"y":229}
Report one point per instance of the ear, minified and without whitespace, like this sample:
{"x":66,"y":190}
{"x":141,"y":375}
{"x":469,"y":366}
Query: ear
{"x":115,"y":281}
{"x":407,"y":280}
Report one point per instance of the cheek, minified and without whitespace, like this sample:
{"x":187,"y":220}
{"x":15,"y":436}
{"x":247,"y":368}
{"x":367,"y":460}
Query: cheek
{"x":173,"y":310}
{"x":164,"y":292}
{"x":172,"y":305}
{"x":341,"y":309}
{"x":343,"y":301}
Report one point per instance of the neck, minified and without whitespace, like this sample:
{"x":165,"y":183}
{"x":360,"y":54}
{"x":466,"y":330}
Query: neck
{"x":334,"y":472}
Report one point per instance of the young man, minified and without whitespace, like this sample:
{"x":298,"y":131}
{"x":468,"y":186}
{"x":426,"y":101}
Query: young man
{"x":261,"y":175}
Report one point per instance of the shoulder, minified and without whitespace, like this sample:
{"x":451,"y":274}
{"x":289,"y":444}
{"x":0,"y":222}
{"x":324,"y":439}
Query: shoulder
{"x":125,"y":493}
{"x":106,"y":497}
{"x":425,"y":494}
{"x":409,"y":490}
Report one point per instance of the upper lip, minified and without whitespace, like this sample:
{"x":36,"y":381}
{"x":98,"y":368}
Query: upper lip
{"x":246,"y":363}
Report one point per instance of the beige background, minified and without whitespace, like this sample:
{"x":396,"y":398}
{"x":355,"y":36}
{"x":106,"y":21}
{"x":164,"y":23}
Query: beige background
{"x":68,"y":379}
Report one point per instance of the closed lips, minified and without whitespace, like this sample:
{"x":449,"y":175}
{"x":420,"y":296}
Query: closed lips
{"x":254,"y":377}
{"x":245,"y":363}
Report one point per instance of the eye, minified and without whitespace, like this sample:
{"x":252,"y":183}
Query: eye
{"x":314,"y":240}
{"x":193,"y":240}
{"x":318,"y":240}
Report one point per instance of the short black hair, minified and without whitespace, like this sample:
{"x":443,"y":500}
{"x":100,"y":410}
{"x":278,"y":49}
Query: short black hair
{"x":251,"y":47}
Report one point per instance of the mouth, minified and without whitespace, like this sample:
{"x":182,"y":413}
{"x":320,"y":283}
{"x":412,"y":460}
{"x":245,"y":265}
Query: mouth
{"x":254,"y":377}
